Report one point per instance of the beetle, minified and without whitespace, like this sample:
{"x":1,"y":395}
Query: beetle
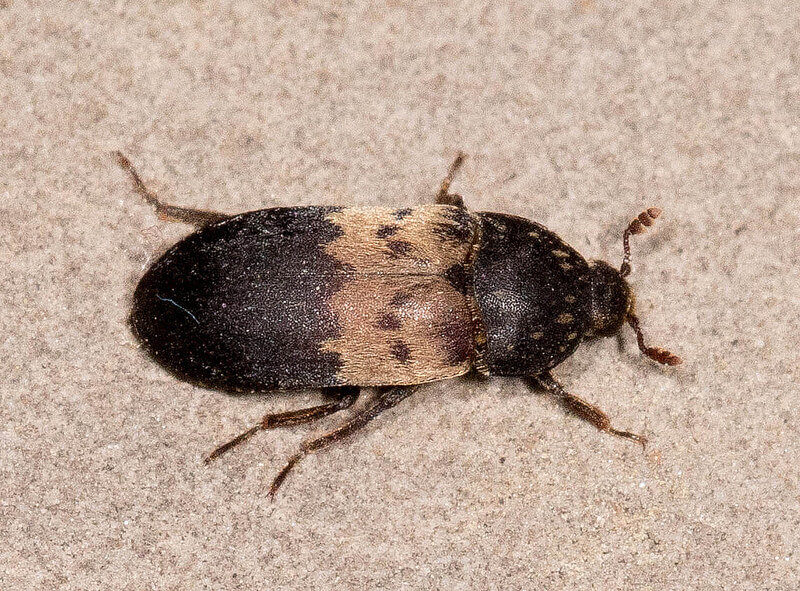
{"x":342,"y":298}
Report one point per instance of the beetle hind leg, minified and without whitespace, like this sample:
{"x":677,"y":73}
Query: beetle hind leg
{"x":345,"y":396}
{"x":444,"y":197}
{"x":583,"y":409}
{"x":386,"y":399}
{"x":170,"y":213}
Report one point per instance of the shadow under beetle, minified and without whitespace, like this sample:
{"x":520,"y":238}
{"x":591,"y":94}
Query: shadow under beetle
{"x":340,"y":298}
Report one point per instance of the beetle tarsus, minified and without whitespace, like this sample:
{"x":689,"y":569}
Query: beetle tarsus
{"x":640,"y":439}
{"x":232,"y":443}
{"x":169,"y":213}
{"x":278,"y":481}
{"x":583,"y":409}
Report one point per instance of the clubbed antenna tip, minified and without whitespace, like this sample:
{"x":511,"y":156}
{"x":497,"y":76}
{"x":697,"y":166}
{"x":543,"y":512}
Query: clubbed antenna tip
{"x":639,"y":225}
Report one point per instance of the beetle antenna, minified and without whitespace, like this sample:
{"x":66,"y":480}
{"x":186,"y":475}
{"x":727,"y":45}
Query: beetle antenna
{"x":654,"y":353}
{"x":638,"y":226}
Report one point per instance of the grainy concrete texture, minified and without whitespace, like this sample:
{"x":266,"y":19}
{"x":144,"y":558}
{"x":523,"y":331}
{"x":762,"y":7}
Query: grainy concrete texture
{"x":576,"y":114}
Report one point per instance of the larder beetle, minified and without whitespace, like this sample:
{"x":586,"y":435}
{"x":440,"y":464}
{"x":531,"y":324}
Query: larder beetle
{"x":341,"y":298}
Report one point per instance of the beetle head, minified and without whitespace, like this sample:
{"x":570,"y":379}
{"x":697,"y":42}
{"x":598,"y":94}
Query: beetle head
{"x":612,"y":299}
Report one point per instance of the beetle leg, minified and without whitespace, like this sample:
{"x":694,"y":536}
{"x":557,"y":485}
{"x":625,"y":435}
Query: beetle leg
{"x":443,"y":197}
{"x":169,"y":213}
{"x":386,"y":398}
{"x":581,"y":408}
{"x":345,"y":397}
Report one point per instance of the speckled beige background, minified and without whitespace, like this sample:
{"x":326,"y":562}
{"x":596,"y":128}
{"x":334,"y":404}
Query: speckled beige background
{"x":577,"y":114}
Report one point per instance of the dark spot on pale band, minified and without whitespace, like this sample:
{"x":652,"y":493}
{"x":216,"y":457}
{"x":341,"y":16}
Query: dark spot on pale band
{"x":401,"y":352}
{"x":389,"y":321}
{"x":386,"y":231}
{"x":399,"y":248}
{"x":453,"y":232}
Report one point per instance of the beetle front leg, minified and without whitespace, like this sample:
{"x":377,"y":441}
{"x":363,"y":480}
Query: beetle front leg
{"x":581,"y":408}
{"x":443,"y":197}
{"x":170,"y":213}
{"x":385,"y":399}
{"x":345,"y":397}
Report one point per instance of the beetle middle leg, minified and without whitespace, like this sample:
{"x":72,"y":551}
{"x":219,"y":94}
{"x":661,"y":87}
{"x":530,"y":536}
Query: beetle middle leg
{"x":170,"y":213}
{"x":584,"y":410}
{"x":443,"y":197}
{"x":344,"y":396}
{"x":386,"y":399}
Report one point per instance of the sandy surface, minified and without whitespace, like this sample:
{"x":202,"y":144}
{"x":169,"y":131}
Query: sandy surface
{"x":576,"y":114}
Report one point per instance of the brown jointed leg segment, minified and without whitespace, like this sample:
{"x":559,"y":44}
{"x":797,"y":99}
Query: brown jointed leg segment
{"x":384,"y":400}
{"x":170,"y":213}
{"x":581,"y":408}
{"x":654,"y":353}
{"x":345,"y":397}
{"x":445,"y":198}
